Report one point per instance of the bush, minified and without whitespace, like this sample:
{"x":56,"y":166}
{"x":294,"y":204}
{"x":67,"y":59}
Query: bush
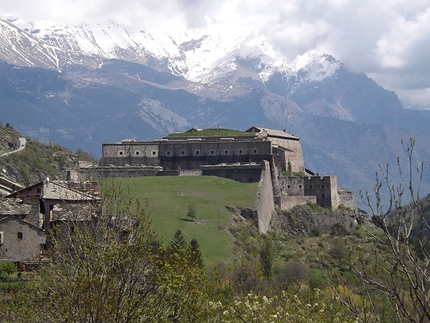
{"x":7,"y":268}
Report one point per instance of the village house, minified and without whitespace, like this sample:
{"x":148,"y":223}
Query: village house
{"x":28,"y":214}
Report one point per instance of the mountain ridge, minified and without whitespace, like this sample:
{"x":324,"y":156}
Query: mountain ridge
{"x":348,"y":123}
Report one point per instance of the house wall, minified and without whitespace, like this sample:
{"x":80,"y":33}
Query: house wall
{"x":26,"y":248}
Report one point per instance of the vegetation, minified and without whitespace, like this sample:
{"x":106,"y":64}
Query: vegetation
{"x":208,"y":195}
{"x":151,"y":263}
{"x":37,"y":161}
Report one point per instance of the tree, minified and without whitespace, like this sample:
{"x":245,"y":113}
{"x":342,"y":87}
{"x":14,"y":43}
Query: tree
{"x":113,"y":269}
{"x":192,"y":213}
{"x":184,"y":280}
{"x":194,"y":254}
{"x":178,"y":243}
{"x":7,"y":268}
{"x":266,"y":257}
{"x":399,"y":267}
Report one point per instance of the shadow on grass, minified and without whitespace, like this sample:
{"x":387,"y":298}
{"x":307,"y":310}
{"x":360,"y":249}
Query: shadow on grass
{"x":187,"y":220}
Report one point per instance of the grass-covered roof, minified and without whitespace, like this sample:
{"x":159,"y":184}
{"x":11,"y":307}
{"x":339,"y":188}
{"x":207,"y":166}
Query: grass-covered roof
{"x":216,"y":132}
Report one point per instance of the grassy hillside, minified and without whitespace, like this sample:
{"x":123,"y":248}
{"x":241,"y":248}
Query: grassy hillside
{"x":169,"y":198}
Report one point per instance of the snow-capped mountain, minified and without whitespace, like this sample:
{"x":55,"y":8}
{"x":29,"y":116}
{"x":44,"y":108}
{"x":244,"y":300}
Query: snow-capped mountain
{"x":88,"y":84}
{"x":198,"y":58}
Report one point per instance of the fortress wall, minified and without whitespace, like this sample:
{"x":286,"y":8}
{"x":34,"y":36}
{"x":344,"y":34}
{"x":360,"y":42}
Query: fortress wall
{"x":346,"y":198}
{"x":130,"y":161}
{"x":85,"y":174}
{"x":240,"y":173}
{"x":292,"y":185}
{"x":225,"y":148}
{"x":132,"y":149}
{"x":286,"y":203}
{"x":296,"y":156}
{"x":324,"y":188}
{"x":265,"y":204}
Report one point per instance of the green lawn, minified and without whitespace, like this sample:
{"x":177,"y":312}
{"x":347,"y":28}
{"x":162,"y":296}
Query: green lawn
{"x":168,"y":199}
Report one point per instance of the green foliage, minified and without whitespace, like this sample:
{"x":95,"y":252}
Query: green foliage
{"x":115,"y":270}
{"x":266,"y":257}
{"x":192,"y":213}
{"x":316,"y":232}
{"x":178,"y":243}
{"x":299,"y":305}
{"x":338,"y":229}
{"x":7,"y":268}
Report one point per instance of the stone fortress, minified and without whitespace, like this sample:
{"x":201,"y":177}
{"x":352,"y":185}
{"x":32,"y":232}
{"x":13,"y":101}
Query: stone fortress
{"x":272,"y":157}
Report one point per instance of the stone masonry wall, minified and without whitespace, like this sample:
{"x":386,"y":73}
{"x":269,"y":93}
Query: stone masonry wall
{"x":265,"y":204}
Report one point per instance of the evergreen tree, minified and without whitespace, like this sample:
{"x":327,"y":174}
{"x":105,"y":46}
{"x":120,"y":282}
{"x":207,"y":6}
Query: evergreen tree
{"x":178,"y":243}
{"x":195,"y":255}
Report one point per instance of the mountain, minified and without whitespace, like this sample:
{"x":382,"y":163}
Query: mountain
{"x":84,"y":85}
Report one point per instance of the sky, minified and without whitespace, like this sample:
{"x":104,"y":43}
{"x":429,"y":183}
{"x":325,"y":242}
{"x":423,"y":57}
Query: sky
{"x":388,"y":40}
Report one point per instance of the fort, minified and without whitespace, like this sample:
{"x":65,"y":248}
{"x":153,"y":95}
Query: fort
{"x":271,"y":157}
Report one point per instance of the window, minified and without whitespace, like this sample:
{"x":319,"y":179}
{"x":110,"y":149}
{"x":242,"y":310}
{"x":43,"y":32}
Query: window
{"x":212,"y":152}
{"x":300,"y":186}
{"x":226,"y":151}
{"x":323,"y":195}
{"x":311,"y":186}
{"x":137,"y":152}
{"x":168,"y":153}
{"x":19,"y":235}
{"x":121,"y":153}
{"x":39,"y":190}
{"x":288,"y":186}
{"x":197,"y":152}
{"x":154,"y":153}
{"x":1,"y":237}
{"x":254,"y":150}
{"x":182,"y":152}
{"x":322,"y":186}
{"x":240,"y":151}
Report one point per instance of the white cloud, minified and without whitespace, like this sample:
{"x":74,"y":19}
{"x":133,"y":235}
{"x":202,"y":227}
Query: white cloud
{"x":388,"y":40}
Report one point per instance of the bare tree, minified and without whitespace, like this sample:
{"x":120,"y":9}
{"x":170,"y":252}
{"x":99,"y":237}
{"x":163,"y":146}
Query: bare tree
{"x":399,"y":266}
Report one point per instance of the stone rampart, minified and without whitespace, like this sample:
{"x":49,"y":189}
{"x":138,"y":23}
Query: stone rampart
{"x":346,"y":198}
{"x":286,"y":203}
{"x":265,"y":204}
{"x":85,"y":174}
{"x":244,"y":173}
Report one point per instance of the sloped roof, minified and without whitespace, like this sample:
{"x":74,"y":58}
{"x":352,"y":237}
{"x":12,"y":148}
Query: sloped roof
{"x":73,"y":212}
{"x":13,"y":207}
{"x":52,"y":190}
{"x":273,"y":132}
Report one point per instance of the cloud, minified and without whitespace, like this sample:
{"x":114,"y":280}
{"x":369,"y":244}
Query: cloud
{"x":388,"y":40}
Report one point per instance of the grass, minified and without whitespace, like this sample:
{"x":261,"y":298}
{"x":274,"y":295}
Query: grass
{"x":169,"y":198}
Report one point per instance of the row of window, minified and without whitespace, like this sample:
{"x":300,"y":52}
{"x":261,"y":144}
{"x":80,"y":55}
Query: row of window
{"x":212,"y":152}
{"x":310,"y":186}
